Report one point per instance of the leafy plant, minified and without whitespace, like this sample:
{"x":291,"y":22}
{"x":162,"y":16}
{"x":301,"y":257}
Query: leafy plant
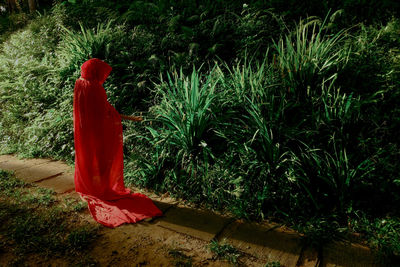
{"x":185,"y":114}
{"x":381,"y":233}
{"x":224,"y":250}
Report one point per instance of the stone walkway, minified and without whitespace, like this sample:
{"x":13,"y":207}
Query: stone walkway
{"x":269,"y":242}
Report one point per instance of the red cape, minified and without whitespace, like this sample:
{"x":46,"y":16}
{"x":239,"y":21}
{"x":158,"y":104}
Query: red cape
{"x":99,"y":153}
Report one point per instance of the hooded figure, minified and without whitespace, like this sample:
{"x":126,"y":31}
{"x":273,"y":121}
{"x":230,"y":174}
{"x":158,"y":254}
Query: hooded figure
{"x":99,"y":153}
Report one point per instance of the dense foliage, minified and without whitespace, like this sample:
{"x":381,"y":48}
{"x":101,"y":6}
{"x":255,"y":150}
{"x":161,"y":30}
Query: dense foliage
{"x":252,"y":107}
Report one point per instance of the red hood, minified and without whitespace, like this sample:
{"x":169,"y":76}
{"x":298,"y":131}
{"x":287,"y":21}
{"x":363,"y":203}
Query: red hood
{"x":95,"y":70}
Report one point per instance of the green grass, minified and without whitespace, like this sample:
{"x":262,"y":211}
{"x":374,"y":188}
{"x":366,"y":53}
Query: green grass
{"x":308,"y":56}
{"x":34,"y":222}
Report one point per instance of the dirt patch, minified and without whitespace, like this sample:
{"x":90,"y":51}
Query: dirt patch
{"x":147,"y":244}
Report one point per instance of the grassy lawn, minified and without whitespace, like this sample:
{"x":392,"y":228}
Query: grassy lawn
{"x":37,"y":227}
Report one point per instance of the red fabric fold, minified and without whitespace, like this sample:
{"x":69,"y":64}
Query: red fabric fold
{"x":99,"y":153}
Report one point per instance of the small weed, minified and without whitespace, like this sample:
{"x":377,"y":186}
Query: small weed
{"x":74,"y":204}
{"x":39,"y":199}
{"x":79,"y":206}
{"x":46,"y":191}
{"x":222,"y":250}
{"x":25,"y":198}
{"x":46,"y":200}
{"x":8,"y":181}
{"x":320,"y":231}
{"x":180,"y":259}
{"x":273,"y":264}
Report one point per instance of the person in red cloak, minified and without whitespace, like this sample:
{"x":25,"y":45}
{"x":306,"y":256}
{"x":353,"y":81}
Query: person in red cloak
{"x":99,"y":153}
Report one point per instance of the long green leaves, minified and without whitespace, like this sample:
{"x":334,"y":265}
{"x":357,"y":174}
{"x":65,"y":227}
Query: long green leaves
{"x":77,"y":47}
{"x":308,"y":55}
{"x":328,"y":178}
{"x":186,"y":112}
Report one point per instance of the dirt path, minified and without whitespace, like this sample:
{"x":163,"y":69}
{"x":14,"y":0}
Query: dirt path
{"x":182,"y":237}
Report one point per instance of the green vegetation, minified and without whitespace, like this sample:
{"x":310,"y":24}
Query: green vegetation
{"x":33,"y":222}
{"x":250,"y":107}
{"x":223,"y":250}
{"x":382,"y":234}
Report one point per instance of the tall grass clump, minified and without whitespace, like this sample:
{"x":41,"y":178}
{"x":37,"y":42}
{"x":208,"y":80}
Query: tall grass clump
{"x":309,"y":55}
{"x":254,"y":105}
{"x":183,"y":127}
{"x":77,"y":47}
{"x":372,"y":72}
{"x":328,"y":179}
{"x":186,"y":112}
{"x":248,"y":85}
